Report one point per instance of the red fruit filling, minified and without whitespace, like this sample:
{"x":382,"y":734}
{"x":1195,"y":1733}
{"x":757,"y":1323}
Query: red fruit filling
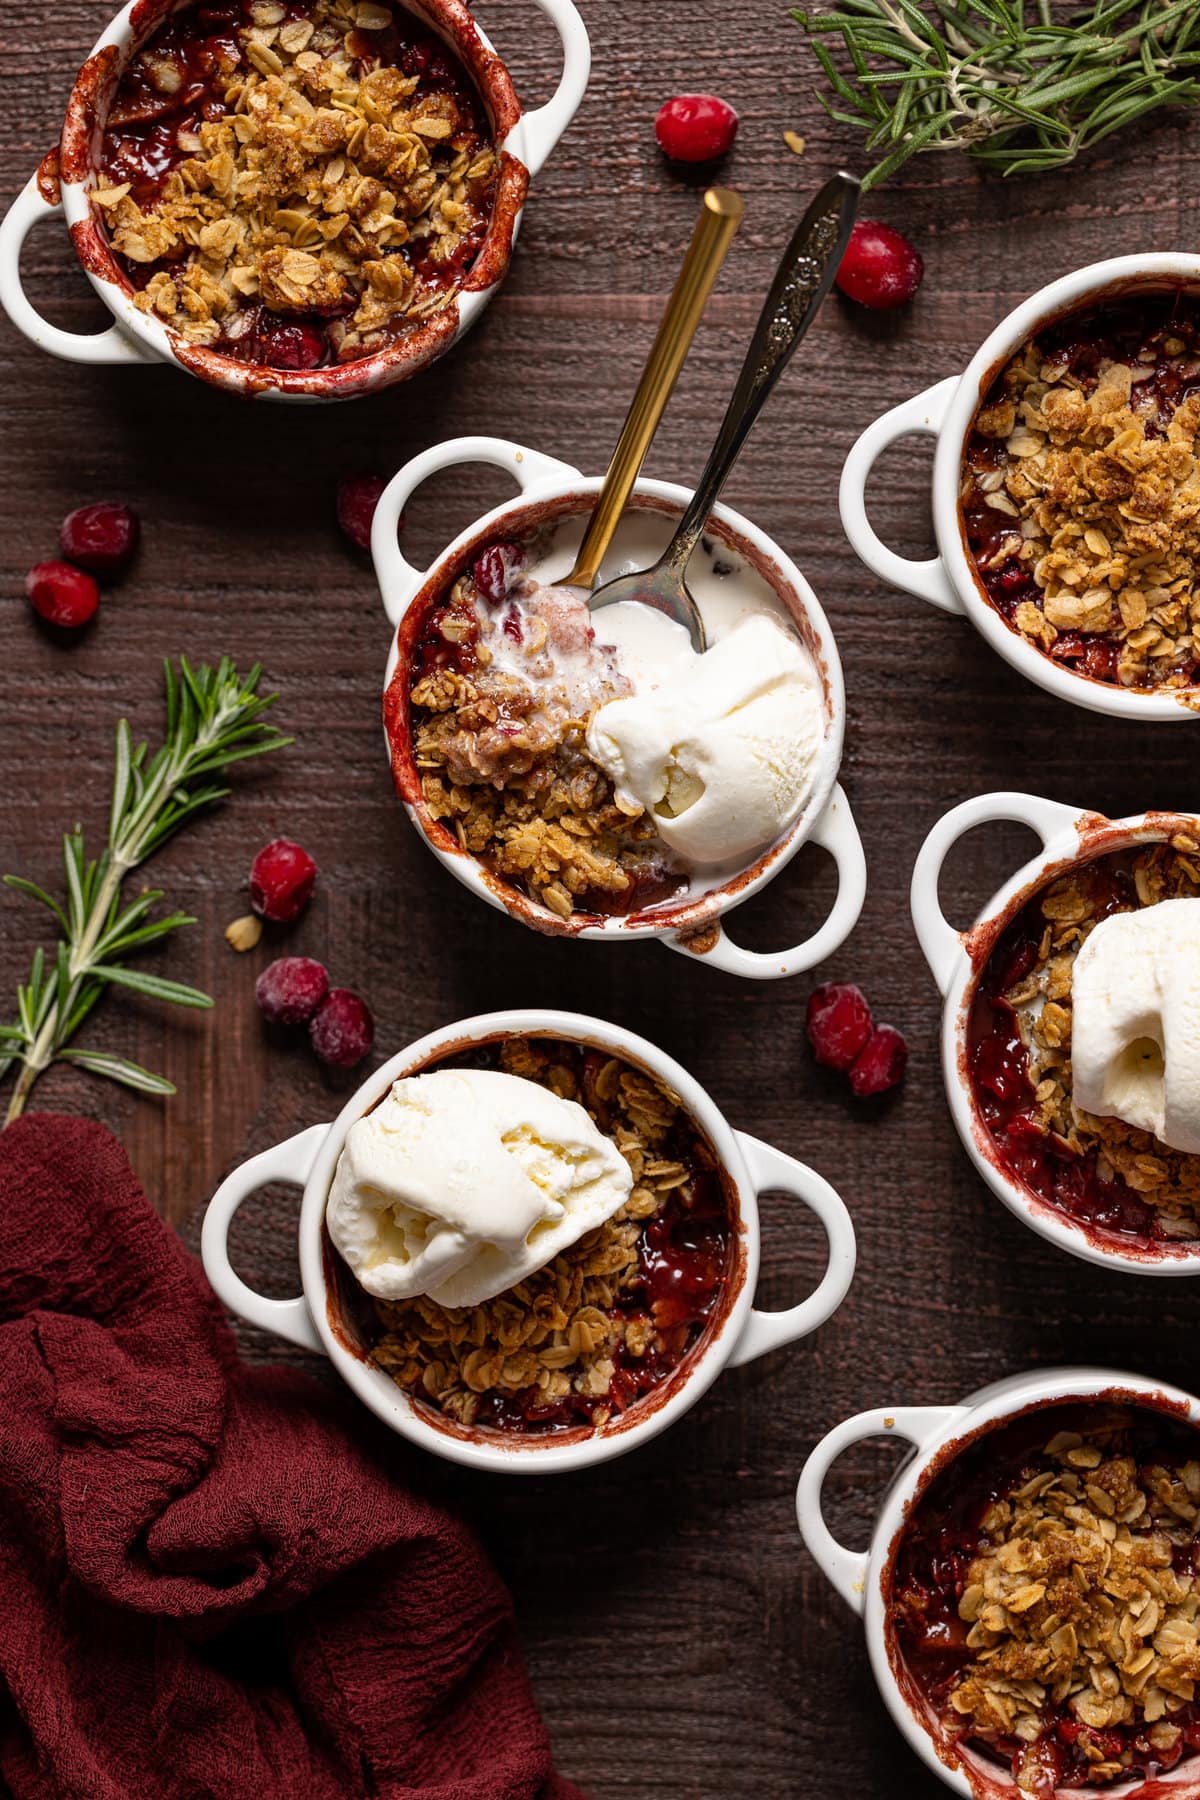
{"x":357,"y":498}
{"x":281,"y":881}
{"x":360,"y":165}
{"x":641,"y":1293}
{"x":496,"y":568}
{"x":880,"y":1063}
{"x":838,"y":1023}
{"x":1158,"y":338}
{"x":290,"y":990}
{"x":880,"y":269}
{"x":101,"y":537}
{"x":695,"y":128}
{"x":61,"y":594}
{"x":1073,"y":1168}
{"x":342,"y":1030}
{"x":969,"y":1522}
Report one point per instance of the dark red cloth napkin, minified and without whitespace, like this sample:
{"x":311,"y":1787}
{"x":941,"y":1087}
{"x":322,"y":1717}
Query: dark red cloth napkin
{"x":208,"y":1586}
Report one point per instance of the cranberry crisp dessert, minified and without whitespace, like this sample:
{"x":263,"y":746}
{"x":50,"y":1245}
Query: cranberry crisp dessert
{"x":1046,"y":1602}
{"x":1076,"y":993}
{"x":290,"y":183}
{"x":540,"y":1233}
{"x":1081,"y":492}
{"x":602,"y":777}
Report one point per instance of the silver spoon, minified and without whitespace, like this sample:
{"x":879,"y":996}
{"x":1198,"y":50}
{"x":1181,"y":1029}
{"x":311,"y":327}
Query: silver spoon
{"x":801,"y":282}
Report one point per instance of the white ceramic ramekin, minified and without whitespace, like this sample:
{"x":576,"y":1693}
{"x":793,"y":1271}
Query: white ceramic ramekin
{"x":945,"y":412}
{"x":957,"y":959}
{"x":64,"y":183}
{"x":737,"y":1333}
{"x":864,"y":1578}
{"x":551,"y":490}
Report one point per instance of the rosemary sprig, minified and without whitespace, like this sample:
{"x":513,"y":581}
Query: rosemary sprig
{"x":1002,"y":79}
{"x":214,"y":718}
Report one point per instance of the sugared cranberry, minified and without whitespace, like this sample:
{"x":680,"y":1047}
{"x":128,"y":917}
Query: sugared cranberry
{"x":695,"y":128}
{"x":881,"y":268}
{"x":357,"y":498}
{"x":101,"y":538}
{"x":879,"y":1065}
{"x":62,"y":594}
{"x":297,"y":347}
{"x":281,"y":880}
{"x":838,"y":1023}
{"x":496,"y":568}
{"x":290,"y":990}
{"x":342,"y":1029}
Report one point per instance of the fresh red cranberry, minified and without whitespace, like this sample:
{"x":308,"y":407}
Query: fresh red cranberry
{"x":290,"y":990}
{"x":357,"y":498}
{"x":496,"y":568}
{"x":101,"y":538}
{"x":62,"y":594}
{"x":880,"y":269}
{"x":695,"y":128}
{"x":838,"y":1023}
{"x":342,"y":1030}
{"x":879,"y":1065}
{"x":281,"y":881}
{"x":298,"y":347}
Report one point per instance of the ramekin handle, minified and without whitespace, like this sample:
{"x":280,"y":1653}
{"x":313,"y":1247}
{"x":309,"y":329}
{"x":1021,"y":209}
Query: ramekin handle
{"x":398,"y":580}
{"x":923,"y":415}
{"x":546,"y":124}
{"x":847,"y":1569}
{"x":836,"y":832}
{"x":765,"y":1331}
{"x":291,"y":1161}
{"x":112,"y":346}
{"x":938,"y":939}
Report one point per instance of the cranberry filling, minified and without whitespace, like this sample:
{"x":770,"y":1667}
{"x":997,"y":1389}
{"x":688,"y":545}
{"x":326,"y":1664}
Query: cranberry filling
{"x":1135,"y":331}
{"x":149,"y":134}
{"x":449,"y":640}
{"x":682,"y":1261}
{"x":685,"y":1256}
{"x":945,"y":1533}
{"x":998,"y":1061}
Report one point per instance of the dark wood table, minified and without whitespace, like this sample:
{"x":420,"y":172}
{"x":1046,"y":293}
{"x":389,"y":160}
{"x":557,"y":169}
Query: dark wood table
{"x":681,"y":1640}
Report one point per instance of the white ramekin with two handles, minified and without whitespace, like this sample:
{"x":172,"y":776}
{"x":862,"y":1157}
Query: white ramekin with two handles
{"x":945,"y":412}
{"x":1070,"y":836}
{"x":63,"y":186}
{"x":695,"y":924}
{"x":936,"y":1435}
{"x":736,"y":1334}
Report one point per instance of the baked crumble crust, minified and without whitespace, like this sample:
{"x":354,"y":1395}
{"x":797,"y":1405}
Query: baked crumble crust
{"x":1083,"y":1596}
{"x":329,"y":186}
{"x":1086,"y":482}
{"x":560,"y":1332}
{"x":1162,"y":1177}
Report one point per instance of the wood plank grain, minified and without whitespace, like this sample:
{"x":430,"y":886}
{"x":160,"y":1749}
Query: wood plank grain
{"x":681,"y":1641}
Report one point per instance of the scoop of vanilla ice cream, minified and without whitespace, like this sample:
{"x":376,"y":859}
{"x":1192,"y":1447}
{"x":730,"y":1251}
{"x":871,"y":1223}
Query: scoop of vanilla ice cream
{"x":1135,"y":1032}
{"x":722,"y":753}
{"x":462,"y":1182}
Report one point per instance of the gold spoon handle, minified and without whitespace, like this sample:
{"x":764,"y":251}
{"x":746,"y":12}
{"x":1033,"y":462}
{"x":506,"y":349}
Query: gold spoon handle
{"x":719,"y":218}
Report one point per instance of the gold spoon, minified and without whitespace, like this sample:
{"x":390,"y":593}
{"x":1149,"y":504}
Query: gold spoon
{"x":719,"y":218}
{"x":802,"y":280}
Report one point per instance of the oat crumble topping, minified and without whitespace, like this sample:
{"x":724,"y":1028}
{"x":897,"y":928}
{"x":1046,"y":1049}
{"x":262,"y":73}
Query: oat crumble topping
{"x":1029,"y":972}
{"x":499,"y":738}
{"x":581,"y":1339}
{"x":1066,"y":1594}
{"x":286,"y":165}
{"x":1081,"y":493}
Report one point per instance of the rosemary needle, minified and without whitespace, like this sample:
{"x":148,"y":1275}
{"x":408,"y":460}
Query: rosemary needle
{"x":1003,"y":80}
{"x":214,"y":718}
